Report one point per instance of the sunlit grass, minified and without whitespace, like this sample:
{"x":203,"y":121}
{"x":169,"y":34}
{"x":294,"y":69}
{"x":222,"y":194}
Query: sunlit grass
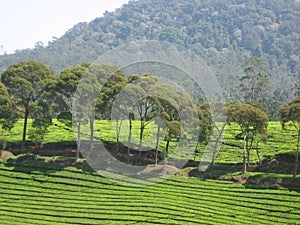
{"x":230,"y":151}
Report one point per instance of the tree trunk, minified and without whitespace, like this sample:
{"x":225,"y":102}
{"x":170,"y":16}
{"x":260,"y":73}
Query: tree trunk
{"x":245,"y":155}
{"x":157,"y":142}
{"x":118,"y":129}
{"x":25,"y":127}
{"x":167,"y":148}
{"x":248,"y":151}
{"x":92,"y":118}
{"x":78,"y":142}
{"x":257,"y":153}
{"x":129,"y":140}
{"x":141,"y":138}
{"x":215,"y":150}
{"x":196,"y":150}
{"x":297,"y":156}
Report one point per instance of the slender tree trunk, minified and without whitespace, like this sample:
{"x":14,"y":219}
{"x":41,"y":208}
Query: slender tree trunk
{"x":245,"y":155}
{"x":141,"y":138}
{"x":129,"y":140}
{"x":297,"y":155}
{"x":25,"y":126}
{"x":196,"y":150}
{"x":167,"y":148}
{"x":118,"y":130}
{"x":157,"y":141}
{"x":215,"y":150}
{"x":78,"y":142}
{"x":248,"y":151}
{"x":257,"y":153}
{"x":92,"y":118}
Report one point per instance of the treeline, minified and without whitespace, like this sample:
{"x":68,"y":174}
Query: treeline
{"x":223,"y":33}
{"x":88,"y":92}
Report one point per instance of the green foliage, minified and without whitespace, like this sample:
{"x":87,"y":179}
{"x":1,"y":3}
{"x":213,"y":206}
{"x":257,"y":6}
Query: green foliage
{"x":251,"y":118}
{"x":39,"y":130}
{"x":8,"y":114}
{"x":205,"y":123}
{"x":255,"y":81}
{"x":222,"y":33}
{"x":291,"y":112}
{"x":5,"y":101}
{"x":28,"y":83}
{"x":252,"y":121}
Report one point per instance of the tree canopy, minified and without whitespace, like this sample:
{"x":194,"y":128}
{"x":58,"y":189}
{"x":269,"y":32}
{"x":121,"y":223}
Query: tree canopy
{"x":26,"y":83}
{"x":252,"y":121}
{"x":291,"y":113}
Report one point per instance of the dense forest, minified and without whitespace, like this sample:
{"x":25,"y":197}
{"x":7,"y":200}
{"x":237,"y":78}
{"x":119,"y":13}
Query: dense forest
{"x":223,"y":33}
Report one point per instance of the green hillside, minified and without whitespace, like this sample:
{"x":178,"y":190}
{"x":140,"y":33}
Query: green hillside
{"x":223,"y":33}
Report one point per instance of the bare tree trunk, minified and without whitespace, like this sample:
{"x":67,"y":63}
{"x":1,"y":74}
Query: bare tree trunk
{"x":92,"y":118}
{"x":248,"y":151}
{"x":129,"y":140}
{"x":297,"y":156}
{"x":78,"y":142}
{"x":215,"y":150}
{"x":141,"y":138}
{"x":156,"y":146}
{"x":118,"y":129}
{"x":245,"y":155}
{"x":257,"y":153}
{"x":25,"y":127}
{"x":167,"y":148}
{"x":196,"y":150}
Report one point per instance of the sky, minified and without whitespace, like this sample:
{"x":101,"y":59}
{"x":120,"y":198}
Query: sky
{"x":25,"y":22}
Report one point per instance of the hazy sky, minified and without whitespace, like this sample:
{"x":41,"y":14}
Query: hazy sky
{"x":25,"y":22}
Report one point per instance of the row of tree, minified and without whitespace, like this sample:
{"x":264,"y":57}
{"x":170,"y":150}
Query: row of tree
{"x":83,"y":93}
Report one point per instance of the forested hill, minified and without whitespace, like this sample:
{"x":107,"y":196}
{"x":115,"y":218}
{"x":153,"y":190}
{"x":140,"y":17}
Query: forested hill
{"x":223,"y":32}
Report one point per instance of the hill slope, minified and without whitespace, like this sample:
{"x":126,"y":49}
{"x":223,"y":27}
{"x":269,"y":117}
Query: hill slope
{"x":44,"y":195}
{"x":223,"y":32}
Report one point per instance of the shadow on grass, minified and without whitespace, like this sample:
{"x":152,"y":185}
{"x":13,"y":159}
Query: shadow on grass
{"x":217,"y":171}
{"x":32,"y":163}
{"x":251,"y":179}
{"x":273,"y":181}
{"x":57,"y":156}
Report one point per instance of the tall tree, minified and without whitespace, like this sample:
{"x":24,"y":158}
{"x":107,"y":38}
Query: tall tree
{"x":26,"y":83}
{"x":93,"y":94}
{"x":109,"y":91}
{"x":254,"y":83}
{"x":291,"y":113}
{"x":66,"y":87}
{"x":252,"y":121}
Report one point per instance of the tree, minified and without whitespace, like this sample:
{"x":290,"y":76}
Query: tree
{"x":145,"y":106}
{"x":211,"y":129}
{"x":5,"y":101}
{"x":93,"y":94}
{"x":26,"y":83}
{"x":173,"y":132}
{"x":65,"y":88}
{"x":109,"y":91}
{"x":8,"y":115}
{"x":255,"y":81}
{"x":252,"y":121}
{"x":291,"y":113}
{"x":39,"y":130}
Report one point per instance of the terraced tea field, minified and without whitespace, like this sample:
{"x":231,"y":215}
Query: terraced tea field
{"x":45,"y":195}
